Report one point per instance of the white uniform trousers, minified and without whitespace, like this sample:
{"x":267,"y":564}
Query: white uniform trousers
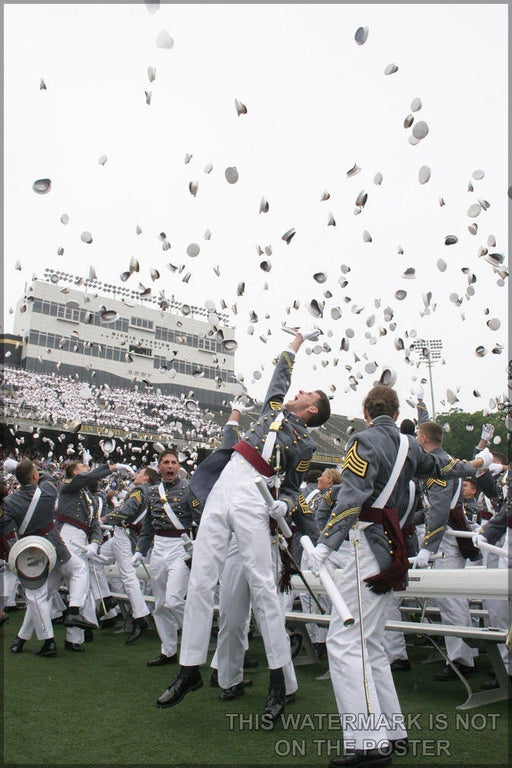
{"x":394,"y":642}
{"x":9,"y":584}
{"x":233,"y":505}
{"x":71,"y":537}
{"x":234,"y":620}
{"x":119,"y":548}
{"x":234,"y":615}
{"x":500,"y":610}
{"x":360,"y":730}
{"x":37,"y":614}
{"x":455,"y":610}
{"x":169,"y":580}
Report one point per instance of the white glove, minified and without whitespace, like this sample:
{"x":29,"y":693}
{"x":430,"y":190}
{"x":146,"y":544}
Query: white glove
{"x":278,"y":510}
{"x":91,"y":550}
{"x":487,"y":432}
{"x":477,"y":539}
{"x":495,"y":468}
{"x":421,"y":559}
{"x":318,"y":557}
{"x":486,"y":457}
{"x":126,"y":469}
{"x":309,"y":334}
{"x":420,"y":392}
{"x":10,"y":465}
{"x":86,"y":456}
{"x":237,"y":405}
{"x":137,"y":559}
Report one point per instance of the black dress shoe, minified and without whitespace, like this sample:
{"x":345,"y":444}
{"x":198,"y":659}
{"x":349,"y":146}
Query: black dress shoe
{"x":49,"y":648}
{"x":250,"y":663}
{"x":449,"y":674}
{"x":360,"y":758}
{"x":214,"y":679}
{"x":76,"y":647}
{"x":490,"y":685}
{"x":178,"y":689}
{"x":274,"y":705}
{"x":400,"y":665}
{"x":234,"y":691}
{"x":17,"y":645}
{"x":161,"y":660}
{"x":77,"y":620}
{"x":290,"y":698}
{"x":139,"y":627}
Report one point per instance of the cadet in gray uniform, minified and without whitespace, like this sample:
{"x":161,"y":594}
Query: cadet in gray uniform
{"x":235,"y":604}
{"x":444,"y":510}
{"x":171,"y":510}
{"x":366,"y":520}
{"x":279,"y":438}
{"x":81,"y":530}
{"x":328,"y":485}
{"x":127,"y":520}
{"x":30,"y":511}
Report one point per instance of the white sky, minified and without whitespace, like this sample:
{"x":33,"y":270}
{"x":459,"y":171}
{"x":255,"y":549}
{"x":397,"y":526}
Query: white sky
{"x":317,"y":103}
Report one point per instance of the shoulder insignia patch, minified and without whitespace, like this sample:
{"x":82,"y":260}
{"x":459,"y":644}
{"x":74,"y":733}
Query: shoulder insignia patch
{"x":303,"y":465}
{"x":136,"y":495}
{"x":450,"y":465}
{"x":354,"y":462}
{"x":275,"y":405}
{"x":303,"y":505}
{"x":434,"y":481}
{"x":196,"y":502}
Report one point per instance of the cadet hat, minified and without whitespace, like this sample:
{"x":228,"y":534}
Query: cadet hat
{"x":32,"y":558}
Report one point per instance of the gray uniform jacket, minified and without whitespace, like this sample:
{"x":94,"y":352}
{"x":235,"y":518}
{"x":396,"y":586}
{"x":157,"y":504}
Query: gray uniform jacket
{"x":440,"y":492}
{"x":366,"y":467}
{"x":76,"y":504}
{"x":325,"y":505}
{"x":296,"y":447}
{"x":182,"y":502}
{"x":132,"y":509}
{"x":14,"y":508}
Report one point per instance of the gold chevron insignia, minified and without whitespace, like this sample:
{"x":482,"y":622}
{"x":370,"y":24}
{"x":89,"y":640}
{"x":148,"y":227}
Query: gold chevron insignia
{"x":275,"y":405}
{"x":433,"y":481}
{"x":195,"y":502}
{"x":354,"y":462}
{"x":304,"y":505}
{"x":450,"y":465}
{"x":303,"y":465}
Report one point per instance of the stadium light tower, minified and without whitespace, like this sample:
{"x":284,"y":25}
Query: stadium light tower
{"x":428,"y":352}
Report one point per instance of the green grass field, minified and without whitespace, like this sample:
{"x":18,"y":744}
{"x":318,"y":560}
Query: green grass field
{"x":98,"y":708}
